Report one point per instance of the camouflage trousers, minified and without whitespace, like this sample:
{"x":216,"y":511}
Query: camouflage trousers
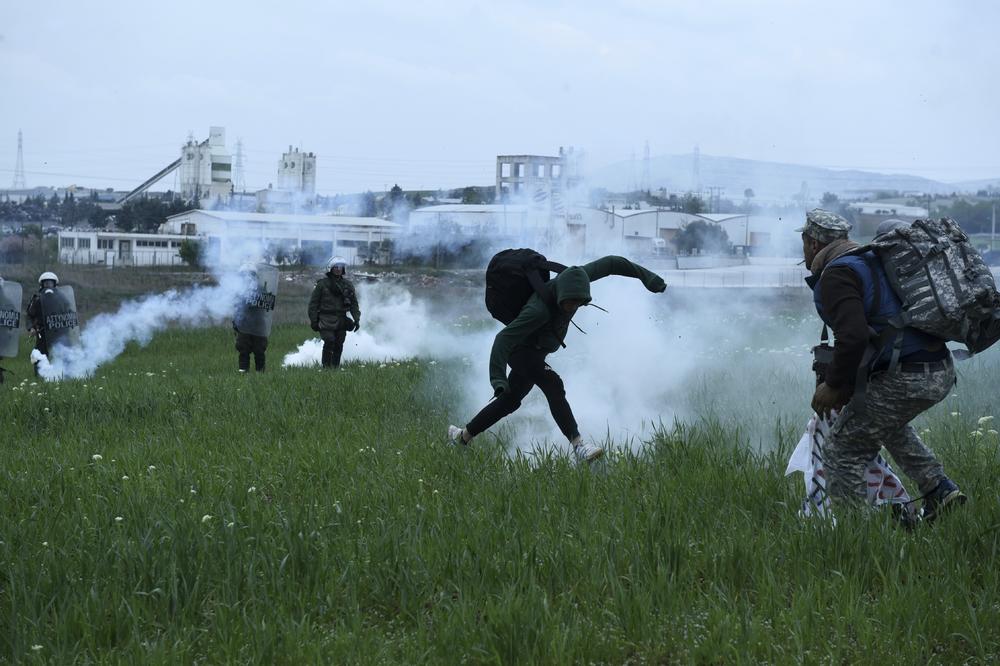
{"x":893,"y":400}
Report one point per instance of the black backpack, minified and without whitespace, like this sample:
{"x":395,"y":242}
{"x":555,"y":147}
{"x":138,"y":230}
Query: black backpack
{"x":512,"y":277}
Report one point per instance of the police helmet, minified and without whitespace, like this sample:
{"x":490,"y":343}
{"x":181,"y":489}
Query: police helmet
{"x":48,"y":275}
{"x":337,"y":262}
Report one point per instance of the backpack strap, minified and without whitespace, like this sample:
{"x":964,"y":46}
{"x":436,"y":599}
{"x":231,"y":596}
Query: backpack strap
{"x":540,"y":287}
{"x":876,"y":341}
{"x":553,"y":266}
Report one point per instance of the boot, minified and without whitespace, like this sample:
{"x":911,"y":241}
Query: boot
{"x":244,"y":362}
{"x":258,"y":360}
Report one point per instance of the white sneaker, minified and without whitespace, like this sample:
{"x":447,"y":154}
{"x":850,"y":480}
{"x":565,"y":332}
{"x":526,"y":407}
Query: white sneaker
{"x":587,"y":452}
{"x":455,"y":436}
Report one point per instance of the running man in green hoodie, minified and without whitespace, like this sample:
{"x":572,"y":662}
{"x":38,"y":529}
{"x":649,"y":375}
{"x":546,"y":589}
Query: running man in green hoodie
{"x":537,"y":332}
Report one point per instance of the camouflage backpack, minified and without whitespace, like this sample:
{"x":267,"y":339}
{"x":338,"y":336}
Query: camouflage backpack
{"x":946,"y":288}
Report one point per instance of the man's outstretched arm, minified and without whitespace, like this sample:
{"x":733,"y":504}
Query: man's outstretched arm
{"x":615,"y":265}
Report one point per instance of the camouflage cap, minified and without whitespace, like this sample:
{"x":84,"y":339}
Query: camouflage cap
{"x":825,"y":226}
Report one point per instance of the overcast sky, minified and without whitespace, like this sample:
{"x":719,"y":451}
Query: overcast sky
{"x":427,"y":93}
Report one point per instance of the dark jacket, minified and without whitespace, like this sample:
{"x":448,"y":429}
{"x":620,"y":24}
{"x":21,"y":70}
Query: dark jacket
{"x":542,"y":327}
{"x":844,"y":295}
{"x":35,"y":319}
{"x":332,"y":298}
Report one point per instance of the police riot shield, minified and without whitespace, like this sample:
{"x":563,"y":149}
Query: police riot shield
{"x":255,"y":307}
{"x":10,"y":318}
{"x":62,"y":326}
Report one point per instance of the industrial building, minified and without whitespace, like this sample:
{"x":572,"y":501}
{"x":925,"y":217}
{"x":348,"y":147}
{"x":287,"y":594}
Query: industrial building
{"x":119,"y":248}
{"x":227,"y":237}
{"x":297,"y":172}
{"x":205,"y":172}
{"x":869,"y":215}
{"x":580,"y":230}
{"x":317,"y":237}
{"x":206,"y":168}
{"x":537,"y":179}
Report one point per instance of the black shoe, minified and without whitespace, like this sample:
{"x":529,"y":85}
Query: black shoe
{"x":945,"y":495}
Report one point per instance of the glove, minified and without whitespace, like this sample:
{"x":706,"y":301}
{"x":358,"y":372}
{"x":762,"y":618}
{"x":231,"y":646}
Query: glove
{"x":314,"y":326}
{"x":500,"y":387}
{"x":657,"y":285}
{"x":357,"y":326}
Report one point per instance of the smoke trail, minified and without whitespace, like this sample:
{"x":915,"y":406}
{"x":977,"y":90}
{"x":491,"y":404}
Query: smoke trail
{"x":106,"y":336}
{"x":651,"y":360}
{"x":403,"y":329}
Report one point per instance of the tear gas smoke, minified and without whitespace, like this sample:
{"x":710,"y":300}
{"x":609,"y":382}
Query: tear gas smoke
{"x":404,"y":328}
{"x":646,"y":363}
{"x":106,"y":335}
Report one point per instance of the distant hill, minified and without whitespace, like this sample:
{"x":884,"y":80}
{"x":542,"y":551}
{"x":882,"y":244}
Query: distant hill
{"x":769,"y":180}
{"x":976,"y":185}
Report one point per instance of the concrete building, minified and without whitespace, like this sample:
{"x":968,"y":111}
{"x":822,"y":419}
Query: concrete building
{"x":206,"y":168}
{"x":229,"y":234}
{"x":296,"y":190}
{"x":119,"y":248}
{"x":537,"y":179}
{"x":297,"y":172}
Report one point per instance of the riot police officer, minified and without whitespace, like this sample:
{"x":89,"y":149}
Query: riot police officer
{"x":47,"y":283}
{"x":332,"y":299}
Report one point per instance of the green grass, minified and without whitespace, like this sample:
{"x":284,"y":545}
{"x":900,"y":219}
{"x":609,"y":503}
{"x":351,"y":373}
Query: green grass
{"x":309,"y":517}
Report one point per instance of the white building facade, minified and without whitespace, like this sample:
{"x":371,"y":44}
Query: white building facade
{"x":229,"y":235}
{"x":297,"y":172}
{"x":119,"y":248}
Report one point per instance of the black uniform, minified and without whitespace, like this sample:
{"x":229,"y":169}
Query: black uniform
{"x":36,"y":321}
{"x":247,"y":344}
{"x":332,"y":298}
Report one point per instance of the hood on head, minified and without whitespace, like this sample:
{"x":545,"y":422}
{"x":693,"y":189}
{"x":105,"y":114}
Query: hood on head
{"x":572,"y":284}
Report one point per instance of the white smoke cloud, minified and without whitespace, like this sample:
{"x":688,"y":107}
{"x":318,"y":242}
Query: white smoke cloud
{"x":106,"y":335}
{"x":640,"y":366}
{"x":395,"y":326}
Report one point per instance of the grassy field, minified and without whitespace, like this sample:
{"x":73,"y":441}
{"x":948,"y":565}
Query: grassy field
{"x":168,"y":510}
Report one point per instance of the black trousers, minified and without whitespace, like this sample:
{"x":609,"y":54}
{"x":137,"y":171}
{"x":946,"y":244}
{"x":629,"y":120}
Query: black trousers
{"x":247,"y":344}
{"x":333,"y":347}
{"x":528,"y":369}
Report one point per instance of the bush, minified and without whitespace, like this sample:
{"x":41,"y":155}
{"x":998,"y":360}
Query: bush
{"x":190,"y":253}
{"x":702,"y":236}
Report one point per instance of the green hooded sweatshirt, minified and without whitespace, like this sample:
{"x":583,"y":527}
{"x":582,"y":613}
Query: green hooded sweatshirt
{"x":544,"y":328}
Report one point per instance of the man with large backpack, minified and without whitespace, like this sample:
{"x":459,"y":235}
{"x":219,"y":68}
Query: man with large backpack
{"x":882,"y":374}
{"x":332,"y":299}
{"x":537,"y":312}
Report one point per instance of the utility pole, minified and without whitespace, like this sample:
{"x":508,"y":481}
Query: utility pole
{"x":240,"y":182}
{"x":635,"y":183}
{"x":696,"y":170}
{"x":715,"y":197}
{"x":993,"y":233}
{"x":19,"y":182}
{"x":646,"y":185}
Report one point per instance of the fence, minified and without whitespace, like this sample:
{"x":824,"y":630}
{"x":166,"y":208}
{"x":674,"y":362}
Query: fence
{"x":111,"y":259}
